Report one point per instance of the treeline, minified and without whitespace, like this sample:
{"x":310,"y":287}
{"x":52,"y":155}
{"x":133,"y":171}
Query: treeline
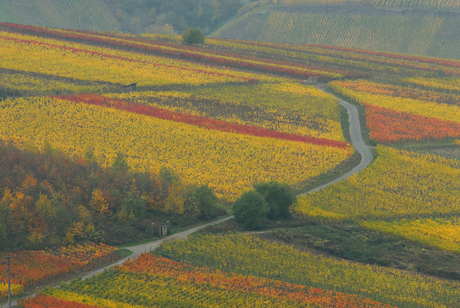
{"x":47,"y":199}
{"x":172,"y":16}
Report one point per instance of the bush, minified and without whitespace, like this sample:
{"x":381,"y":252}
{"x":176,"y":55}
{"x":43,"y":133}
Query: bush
{"x":193,"y":36}
{"x":250,"y":210}
{"x":206,"y":201}
{"x":279,"y":198}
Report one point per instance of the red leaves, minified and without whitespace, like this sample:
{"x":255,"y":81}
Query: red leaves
{"x":100,"y":54}
{"x":43,"y":301}
{"x":444,"y":62}
{"x":98,"y":100}
{"x":387,"y":125}
{"x":182,"y":52}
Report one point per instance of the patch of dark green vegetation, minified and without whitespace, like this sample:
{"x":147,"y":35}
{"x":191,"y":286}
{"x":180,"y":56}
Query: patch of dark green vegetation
{"x":445,"y":148}
{"x":123,"y":253}
{"x":357,"y":244}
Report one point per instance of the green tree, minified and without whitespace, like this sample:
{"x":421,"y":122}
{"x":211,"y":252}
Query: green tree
{"x":134,"y":204}
{"x":120,"y":163}
{"x":250,"y":210}
{"x":192,"y":36}
{"x":206,"y":201}
{"x":279,"y":198}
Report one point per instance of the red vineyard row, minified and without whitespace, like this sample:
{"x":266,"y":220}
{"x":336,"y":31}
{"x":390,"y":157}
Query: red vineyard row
{"x":79,"y":50}
{"x":388,"y":125}
{"x":98,"y":100}
{"x":184,"y":52}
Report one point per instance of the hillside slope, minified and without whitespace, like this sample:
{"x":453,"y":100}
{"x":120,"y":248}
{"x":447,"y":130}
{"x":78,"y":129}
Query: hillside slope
{"x":432,"y":31}
{"x":91,"y":15}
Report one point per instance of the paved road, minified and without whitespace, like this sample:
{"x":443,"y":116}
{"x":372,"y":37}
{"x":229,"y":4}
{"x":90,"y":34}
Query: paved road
{"x":356,"y":139}
{"x":358,"y":143}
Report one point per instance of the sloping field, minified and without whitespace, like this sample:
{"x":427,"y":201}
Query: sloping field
{"x":398,"y":28}
{"x":247,"y":255}
{"x":398,"y":184}
{"x":76,"y":14}
{"x":400,"y":114}
{"x":421,"y":4}
{"x":421,"y":35}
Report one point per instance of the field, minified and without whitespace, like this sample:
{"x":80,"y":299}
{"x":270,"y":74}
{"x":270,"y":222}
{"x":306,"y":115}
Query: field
{"x":83,"y":15}
{"x":200,"y":153}
{"x":248,"y":256}
{"x":181,"y":285}
{"x":410,"y":27}
{"x":402,"y":184}
{"x":441,"y":233}
{"x":402,"y":114}
{"x":35,"y":268}
{"x":82,"y":160}
{"x":444,"y":4}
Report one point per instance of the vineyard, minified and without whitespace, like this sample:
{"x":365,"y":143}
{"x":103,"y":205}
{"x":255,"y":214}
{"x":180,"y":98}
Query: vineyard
{"x":35,"y":268}
{"x":85,"y":15}
{"x":441,"y":233}
{"x":248,"y":256}
{"x":200,"y":152}
{"x":180,"y":285}
{"x":83,"y":160}
{"x":388,"y":33}
{"x":401,"y":114}
{"x":402,"y":184}
{"x":422,"y":4}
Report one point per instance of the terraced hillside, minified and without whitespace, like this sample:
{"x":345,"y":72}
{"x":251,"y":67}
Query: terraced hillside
{"x":76,"y":14}
{"x":412,"y":27}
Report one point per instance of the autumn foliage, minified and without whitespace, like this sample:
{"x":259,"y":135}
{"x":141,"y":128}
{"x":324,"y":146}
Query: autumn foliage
{"x":132,"y":284}
{"x":199,"y":121}
{"x":34,"y":268}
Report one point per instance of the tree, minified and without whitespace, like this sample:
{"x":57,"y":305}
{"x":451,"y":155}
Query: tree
{"x":192,"y":36}
{"x":98,"y":203}
{"x":250,"y":209}
{"x":279,"y":198}
{"x":134,"y":204}
{"x":120,"y":163}
{"x":206,"y":201}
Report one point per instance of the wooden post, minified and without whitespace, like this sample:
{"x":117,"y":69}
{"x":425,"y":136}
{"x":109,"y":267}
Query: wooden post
{"x":9,"y":283}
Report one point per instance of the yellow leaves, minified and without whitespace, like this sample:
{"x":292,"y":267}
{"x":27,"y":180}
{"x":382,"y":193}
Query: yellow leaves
{"x":398,"y":183}
{"x":98,"y":203}
{"x":251,"y":256}
{"x":44,"y":207}
{"x":90,"y":63}
{"x":450,"y":83}
{"x":409,"y":105}
{"x":175,"y":201}
{"x":229,"y":163}
{"x":442,"y":233}
{"x":15,"y":289}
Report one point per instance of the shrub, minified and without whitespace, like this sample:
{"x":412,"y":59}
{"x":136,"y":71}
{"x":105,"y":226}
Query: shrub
{"x":193,"y":36}
{"x":250,"y":210}
{"x":206,"y":201}
{"x":279,"y":198}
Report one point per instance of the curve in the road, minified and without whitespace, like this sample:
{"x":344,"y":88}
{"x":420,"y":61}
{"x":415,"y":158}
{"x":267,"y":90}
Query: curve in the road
{"x":356,"y":140}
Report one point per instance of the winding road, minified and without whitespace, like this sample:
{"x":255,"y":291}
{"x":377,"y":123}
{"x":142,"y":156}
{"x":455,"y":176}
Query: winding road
{"x":356,"y":140}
